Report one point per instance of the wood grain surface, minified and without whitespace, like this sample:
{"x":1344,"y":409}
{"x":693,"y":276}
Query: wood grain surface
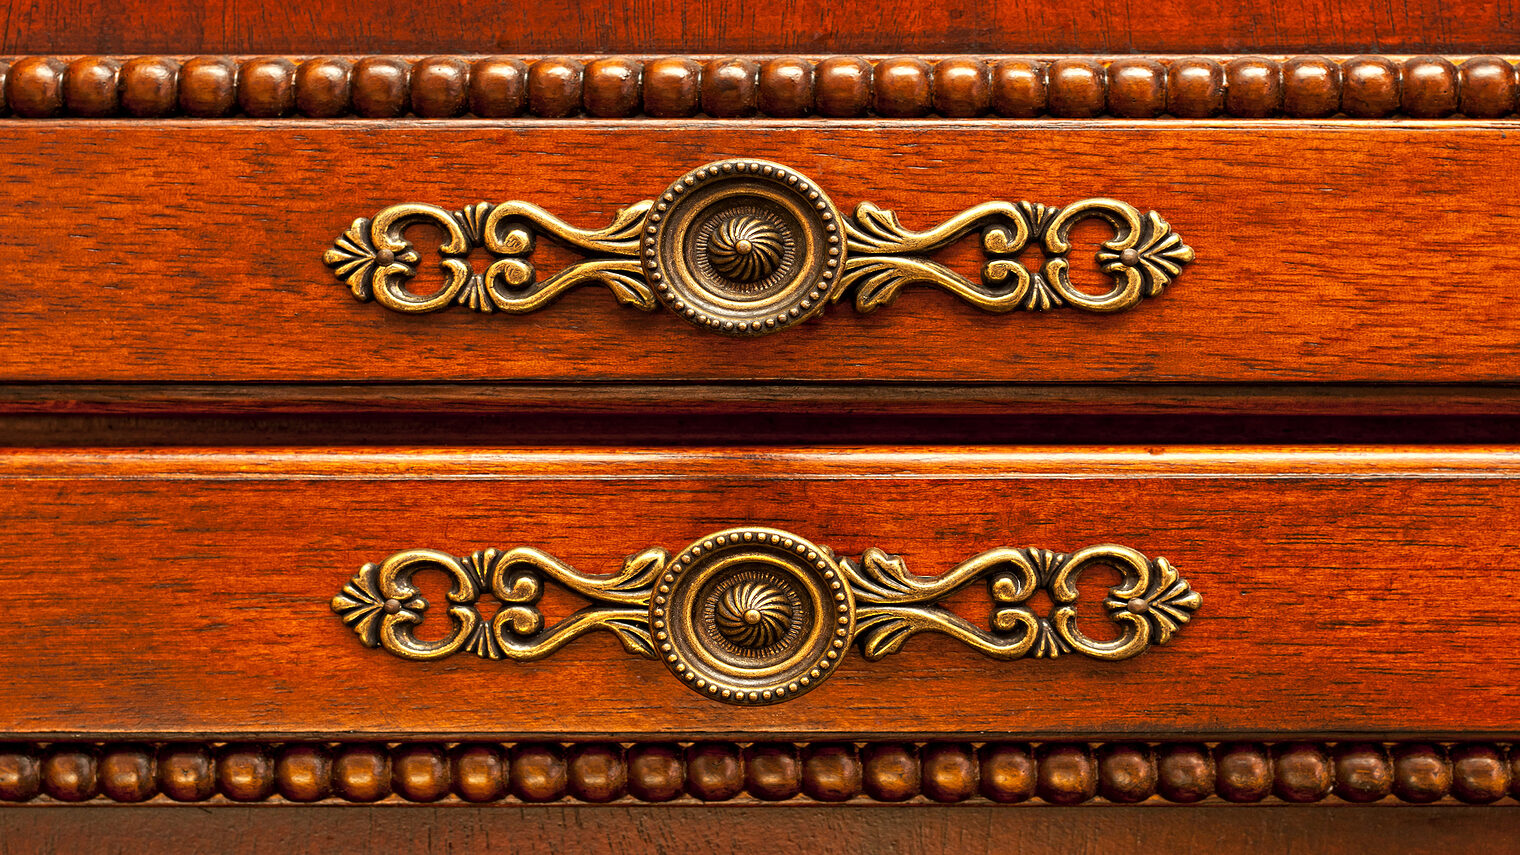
{"x":747,"y":26}
{"x":595,"y":830}
{"x":181,"y":593}
{"x":1327,"y":253}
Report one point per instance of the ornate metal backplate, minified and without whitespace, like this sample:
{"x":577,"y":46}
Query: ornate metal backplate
{"x":747,"y":247}
{"x":758,"y":616}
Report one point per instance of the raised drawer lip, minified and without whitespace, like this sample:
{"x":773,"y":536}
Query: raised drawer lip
{"x":760,"y":462}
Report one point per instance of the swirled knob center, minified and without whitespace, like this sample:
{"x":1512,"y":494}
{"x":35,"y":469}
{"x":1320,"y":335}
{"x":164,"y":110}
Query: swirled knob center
{"x":746,"y":248}
{"x":753,"y":614}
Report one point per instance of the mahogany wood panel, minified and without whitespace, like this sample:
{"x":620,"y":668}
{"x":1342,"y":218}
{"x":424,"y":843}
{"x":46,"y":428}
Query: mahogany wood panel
{"x":613,"y":830}
{"x":748,"y":26}
{"x":1327,"y":252}
{"x":1345,"y":591}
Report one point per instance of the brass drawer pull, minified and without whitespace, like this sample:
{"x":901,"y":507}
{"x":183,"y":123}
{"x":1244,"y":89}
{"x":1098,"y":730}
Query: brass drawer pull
{"x":758,"y":616}
{"x":749,"y":247}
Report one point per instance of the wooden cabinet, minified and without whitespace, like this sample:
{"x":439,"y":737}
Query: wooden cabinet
{"x":627,"y":426}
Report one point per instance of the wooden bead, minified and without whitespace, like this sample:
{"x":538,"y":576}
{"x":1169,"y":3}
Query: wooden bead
{"x":34,"y":87}
{"x":714,"y":771}
{"x":149,"y":86}
{"x":1078,"y":88}
{"x":831,"y":772}
{"x":1311,"y":87}
{"x":1301,"y":773}
{"x":890,"y":772}
{"x":127,"y":773}
{"x":5,"y":72}
{"x":962,"y":88}
{"x":323,"y":88}
{"x":303,"y":772}
{"x":596,"y":772}
{"x":1185,"y":773}
{"x":1488,"y":88}
{"x":1126,"y":773}
{"x":1136,"y":88}
{"x":672,"y":88}
{"x":245,"y":773}
{"x":1008,"y":772}
{"x":1253,"y":87}
{"x":1020,"y":88}
{"x":729,"y":88}
{"x":479,"y":772}
{"x":70,"y":773}
{"x":772,"y":771}
{"x":1066,"y":775}
{"x":440,"y":87}
{"x":1244,"y":772}
{"x":1479,"y":774}
{"x":186,"y":773}
{"x":381,"y":87}
{"x":362,"y":773}
{"x":904,"y":87}
{"x":1514,"y":772}
{"x":951,"y":772}
{"x":786,"y":87}
{"x":208,"y":87}
{"x":420,"y":773}
{"x":613,"y":88}
{"x":91,"y":87}
{"x":1195,"y":88}
{"x":498,"y":87}
{"x":537,"y":772}
{"x":656,"y":773}
{"x":1421,"y":773}
{"x":266,"y":88}
{"x":1430,"y":87}
{"x":20,"y":773}
{"x":1370,"y":88}
{"x":1363,"y":773}
{"x":842,"y":87}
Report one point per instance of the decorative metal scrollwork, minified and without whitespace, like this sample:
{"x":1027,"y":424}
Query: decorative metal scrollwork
{"x":756,"y":615}
{"x":748,"y":247}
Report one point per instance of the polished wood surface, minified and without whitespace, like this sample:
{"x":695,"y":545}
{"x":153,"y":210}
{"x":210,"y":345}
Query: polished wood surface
{"x":618,"y":829}
{"x":1294,"y":280}
{"x":746,"y":26}
{"x":1345,"y":591}
{"x":206,"y":436}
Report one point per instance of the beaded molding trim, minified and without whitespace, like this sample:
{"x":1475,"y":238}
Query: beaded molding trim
{"x":609,"y":772}
{"x":381,"y":87}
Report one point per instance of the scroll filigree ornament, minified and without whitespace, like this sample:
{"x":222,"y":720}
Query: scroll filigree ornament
{"x":749,"y":247}
{"x":758,"y":616}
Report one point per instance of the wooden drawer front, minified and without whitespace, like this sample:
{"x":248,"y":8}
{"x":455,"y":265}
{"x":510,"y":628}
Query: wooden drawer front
{"x":1323,"y":592}
{"x":1324,"y":252}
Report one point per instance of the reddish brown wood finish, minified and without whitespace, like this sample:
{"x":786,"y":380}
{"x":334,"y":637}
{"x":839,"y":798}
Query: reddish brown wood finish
{"x":1344,"y":591}
{"x":748,"y":26}
{"x":983,"y":830}
{"x":1302,"y":273}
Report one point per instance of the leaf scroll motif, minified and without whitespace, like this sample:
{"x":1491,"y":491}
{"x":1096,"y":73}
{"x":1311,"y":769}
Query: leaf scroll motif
{"x":1151,"y":602}
{"x":1143,"y":257}
{"x":375,"y":259}
{"x":379,"y":603}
